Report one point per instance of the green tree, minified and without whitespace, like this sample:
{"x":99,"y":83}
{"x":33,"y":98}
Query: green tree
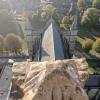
{"x":87,"y":45}
{"x":81,"y":3}
{"x":96,"y":4}
{"x":90,"y":17}
{"x":96,"y":45}
{"x":50,"y":10}
{"x":66,"y":22}
{"x":84,"y":4}
{"x":12,"y":43}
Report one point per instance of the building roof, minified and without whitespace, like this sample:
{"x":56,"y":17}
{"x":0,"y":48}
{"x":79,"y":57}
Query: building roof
{"x":52,"y":48}
{"x":92,"y":87}
{"x":5,"y":81}
{"x":93,"y":81}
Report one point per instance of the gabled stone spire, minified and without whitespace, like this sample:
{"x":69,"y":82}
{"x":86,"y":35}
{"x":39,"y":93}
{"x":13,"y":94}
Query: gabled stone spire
{"x":52,"y":48}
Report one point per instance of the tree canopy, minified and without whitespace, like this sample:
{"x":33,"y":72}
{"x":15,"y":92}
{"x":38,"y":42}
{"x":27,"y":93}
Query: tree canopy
{"x":96,"y":45}
{"x":66,"y":22}
{"x":50,"y":10}
{"x":13,"y":43}
{"x":96,"y":4}
{"x":81,"y":3}
{"x":87,"y":44}
{"x":90,"y":17}
{"x":84,"y":4}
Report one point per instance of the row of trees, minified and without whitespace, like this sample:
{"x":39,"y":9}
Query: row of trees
{"x":64,"y":22}
{"x":11,"y":43}
{"x":46,"y":12}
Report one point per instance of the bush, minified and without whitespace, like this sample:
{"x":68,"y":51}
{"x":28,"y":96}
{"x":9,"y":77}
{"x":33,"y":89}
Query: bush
{"x":12,"y":43}
{"x":96,"y":45}
{"x":87,"y":45}
{"x":66,"y":22}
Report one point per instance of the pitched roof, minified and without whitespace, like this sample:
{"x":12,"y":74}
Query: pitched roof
{"x":52,"y":48}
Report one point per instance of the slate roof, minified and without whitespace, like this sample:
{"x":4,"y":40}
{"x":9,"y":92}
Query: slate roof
{"x":52,"y":48}
{"x":92,"y":87}
{"x":93,"y":81}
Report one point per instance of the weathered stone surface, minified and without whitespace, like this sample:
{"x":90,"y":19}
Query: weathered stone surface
{"x":56,"y":80}
{"x":19,"y":72}
{"x":82,"y":68}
